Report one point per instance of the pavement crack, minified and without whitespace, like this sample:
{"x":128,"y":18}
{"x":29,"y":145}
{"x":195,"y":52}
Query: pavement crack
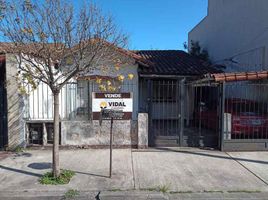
{"x":253,"y":173}
{"x":132,"y":166}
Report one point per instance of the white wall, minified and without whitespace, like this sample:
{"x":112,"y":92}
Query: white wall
{"x":39,"y":102}
{"x":235,"y":29}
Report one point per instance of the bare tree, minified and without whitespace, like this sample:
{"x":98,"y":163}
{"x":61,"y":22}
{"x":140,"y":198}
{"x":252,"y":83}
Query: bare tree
{"x":54,"y":43}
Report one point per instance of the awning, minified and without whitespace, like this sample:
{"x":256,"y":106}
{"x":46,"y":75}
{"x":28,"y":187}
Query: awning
{"x":217,"y":78}
{"x":239,"y":76}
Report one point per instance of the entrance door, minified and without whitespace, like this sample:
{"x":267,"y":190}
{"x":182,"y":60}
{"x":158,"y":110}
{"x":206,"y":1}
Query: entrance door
{"x":3,"y":108}
{"x":164,"y":112}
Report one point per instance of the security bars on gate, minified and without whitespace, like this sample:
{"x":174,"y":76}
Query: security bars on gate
{"x":246,"y":111}
{"x":240,"y":117}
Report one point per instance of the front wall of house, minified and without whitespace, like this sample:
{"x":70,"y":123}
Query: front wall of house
{"x":92,"y":134}
{"x":15,"y":105}
{"x":77,"y":126}
{"x":81,"y":130}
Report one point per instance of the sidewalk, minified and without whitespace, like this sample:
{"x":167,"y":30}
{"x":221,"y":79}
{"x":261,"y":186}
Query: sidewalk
{"x":177,"y":171}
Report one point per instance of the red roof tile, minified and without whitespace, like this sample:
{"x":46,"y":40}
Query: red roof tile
{"x":239,"y":76}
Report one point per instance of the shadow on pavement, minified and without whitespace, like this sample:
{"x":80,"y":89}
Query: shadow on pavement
{"x":228,"y":157}
{"x":23,"y":154}
{"x":20,"y":171}
{"x":42,"y":165}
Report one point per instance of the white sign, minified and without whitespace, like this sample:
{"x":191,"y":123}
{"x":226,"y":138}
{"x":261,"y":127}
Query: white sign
{"x":115,"y":101}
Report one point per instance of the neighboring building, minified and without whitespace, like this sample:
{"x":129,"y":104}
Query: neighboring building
{"x":235,"y":33}
{"x":156,"y":89}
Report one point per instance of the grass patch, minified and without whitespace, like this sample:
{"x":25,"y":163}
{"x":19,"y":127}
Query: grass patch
{"x":18,"y":149}
{"x":213,"y":191}
{"x":244,"y":191}
{"x":153,"y":189}
{"x":181,"y":192}
{"x":71,"y":194}
{"x":64,"y":178}
{"x":162,"y":188}
{"x":115,"y":190}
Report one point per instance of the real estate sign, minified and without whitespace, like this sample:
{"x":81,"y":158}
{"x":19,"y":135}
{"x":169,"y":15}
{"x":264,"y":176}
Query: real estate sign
{"x":116,"y":101}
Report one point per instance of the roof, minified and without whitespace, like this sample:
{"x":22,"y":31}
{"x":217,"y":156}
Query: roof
{"x":238,"y":76}
{"x":7,"y":47}
{"x":174,"y":62}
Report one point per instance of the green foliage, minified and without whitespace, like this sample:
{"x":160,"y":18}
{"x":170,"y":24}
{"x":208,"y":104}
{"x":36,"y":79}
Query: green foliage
{"x":115,"y":190}
{"x":71,"y":194}
{"x":22,"y":90}
{"x":18,"y":149}
{"x":213,"y":191}
{"x":244,"y":191}
{"x":197,"y":51}
{"x":64,"y":178}
{"x":181,"y":192}
{"x":163,"y":188}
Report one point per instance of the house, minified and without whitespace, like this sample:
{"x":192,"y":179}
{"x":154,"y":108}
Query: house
{"x":235,"y":35}
{"x":154,"y":99}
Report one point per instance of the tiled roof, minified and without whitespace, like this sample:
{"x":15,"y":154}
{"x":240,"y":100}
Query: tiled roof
{"x":7,"y":47}
{"x":174,"y":62}
{"x":239,"y":76}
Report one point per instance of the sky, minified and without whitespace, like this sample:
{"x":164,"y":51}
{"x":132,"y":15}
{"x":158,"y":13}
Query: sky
{"x":155,"y":24}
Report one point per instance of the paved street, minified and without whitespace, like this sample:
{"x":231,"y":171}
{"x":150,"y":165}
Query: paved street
{"x":180,"y":172}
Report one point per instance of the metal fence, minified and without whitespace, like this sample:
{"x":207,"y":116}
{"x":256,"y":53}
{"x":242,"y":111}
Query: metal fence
{"x":202,"y":116}
{"x":75,"y":101}
{"x":161,"y":98}
{"x":230,"y":116}
{"x":245,"y":118}
{"x":75,"y":104}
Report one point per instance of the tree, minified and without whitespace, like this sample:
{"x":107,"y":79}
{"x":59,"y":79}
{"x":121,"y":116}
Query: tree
{"x":53,"y":43}
{"x":197,"y":51}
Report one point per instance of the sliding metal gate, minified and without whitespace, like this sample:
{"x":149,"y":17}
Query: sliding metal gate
{"x":245,"y":117}
{"x":202,"y":126}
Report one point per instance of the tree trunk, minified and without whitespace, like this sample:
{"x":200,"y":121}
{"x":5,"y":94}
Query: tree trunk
{"x":56,"y":161}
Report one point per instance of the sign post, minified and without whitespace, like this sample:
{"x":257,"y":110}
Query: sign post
{"x":111,"y":146}
{"x":107,"y":114}
{"x":112,"y":106}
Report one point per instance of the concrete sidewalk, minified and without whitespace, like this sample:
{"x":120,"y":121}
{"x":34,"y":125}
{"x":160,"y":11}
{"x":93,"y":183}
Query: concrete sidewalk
{"x":187,"y":169}
{"x":180,"y":171}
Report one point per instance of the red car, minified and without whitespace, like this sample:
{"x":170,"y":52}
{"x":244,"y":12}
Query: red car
{"x":247,"y":117}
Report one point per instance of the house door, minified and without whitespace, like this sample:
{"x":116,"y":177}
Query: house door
{"x":164,"y":112}
{"x":3,"y":108}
